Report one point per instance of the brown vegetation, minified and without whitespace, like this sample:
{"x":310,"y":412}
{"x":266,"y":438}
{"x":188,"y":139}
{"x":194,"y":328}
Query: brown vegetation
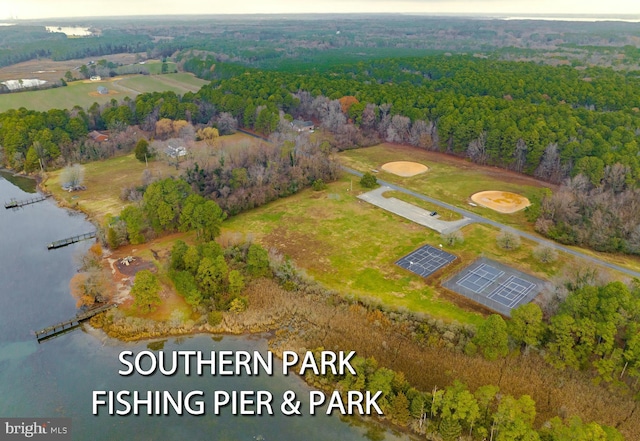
{"x":426,"y":354}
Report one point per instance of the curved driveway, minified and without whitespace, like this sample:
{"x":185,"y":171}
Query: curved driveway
{"x":483,"y":220}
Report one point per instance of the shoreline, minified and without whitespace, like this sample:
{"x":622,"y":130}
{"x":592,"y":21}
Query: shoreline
{"x":314,"y":317}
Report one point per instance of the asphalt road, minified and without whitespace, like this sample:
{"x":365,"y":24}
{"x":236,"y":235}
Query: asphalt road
{"x":483,"y":220}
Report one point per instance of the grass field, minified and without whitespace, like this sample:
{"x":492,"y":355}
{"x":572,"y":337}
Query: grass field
{"x":454,"y":180}
{"x":154,"y":67}
{"x":104,"y":181}
{"x":179,"y":83}
{"x":449,"y":179}
{"x":344,"y":243}
{"x":351,"y":246}
{"x":445,"y":215}
{"x":85,"y":94}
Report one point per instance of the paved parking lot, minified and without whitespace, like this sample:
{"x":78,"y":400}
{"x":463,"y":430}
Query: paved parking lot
{"x":411,"y":212}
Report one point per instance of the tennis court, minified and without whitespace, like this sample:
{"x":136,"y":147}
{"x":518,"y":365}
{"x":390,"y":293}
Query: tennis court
{"x":497,"y":286}
{"x":426,"y":260}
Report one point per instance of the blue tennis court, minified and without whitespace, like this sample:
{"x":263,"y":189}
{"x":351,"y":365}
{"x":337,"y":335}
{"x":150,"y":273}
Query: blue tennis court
{"x":511,"y":291}
{"x":479,"y":278}
{"x":426,"y":260}
{"x":495,"y":285}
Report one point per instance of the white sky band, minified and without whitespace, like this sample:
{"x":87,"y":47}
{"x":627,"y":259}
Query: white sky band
{"x":30,"y":9}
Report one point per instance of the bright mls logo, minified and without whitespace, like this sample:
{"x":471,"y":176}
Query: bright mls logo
{"x":41,"y":429}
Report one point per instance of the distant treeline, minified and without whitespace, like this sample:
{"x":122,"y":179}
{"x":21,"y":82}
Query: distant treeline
{"x":18,"y":44}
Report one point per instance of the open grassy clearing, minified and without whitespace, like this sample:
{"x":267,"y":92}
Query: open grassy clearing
{"x":351,"y":246}
{"x":84,"y":94}
{"x":161,"y":83}
{"x":154,"y":67}
{"x":449,"y":179}
{"x":454,"y":180}
{"x":104,"y":181}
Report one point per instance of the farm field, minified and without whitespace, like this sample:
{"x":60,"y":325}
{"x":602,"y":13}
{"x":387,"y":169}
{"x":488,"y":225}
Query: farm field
{"x":49,"y":70}
{"x":84,"y":93}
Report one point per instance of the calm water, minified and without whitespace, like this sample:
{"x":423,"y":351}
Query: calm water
{"x":56,"y":378}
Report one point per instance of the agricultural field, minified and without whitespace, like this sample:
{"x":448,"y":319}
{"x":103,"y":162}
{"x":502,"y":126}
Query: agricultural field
{"x":49,"y":70}
{"x":84,"y":93}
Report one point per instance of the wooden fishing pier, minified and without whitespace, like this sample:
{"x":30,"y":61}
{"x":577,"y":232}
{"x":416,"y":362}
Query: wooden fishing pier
{"x":69,"y":325}
{"x":17,"y":204}
{"x":70,"y":240}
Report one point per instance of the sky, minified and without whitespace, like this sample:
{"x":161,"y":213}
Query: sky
{"x":30,"y":9}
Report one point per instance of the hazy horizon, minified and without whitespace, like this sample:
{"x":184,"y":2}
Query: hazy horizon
{"x":70,"y":9}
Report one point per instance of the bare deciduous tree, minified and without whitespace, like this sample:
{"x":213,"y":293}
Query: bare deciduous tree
{"x":545,"y":254}
{"x":226,"y":123}
{"x":550,"y":168}
{"x":72,"y":176}
{"x":421,"y":134}
{"x":508,"y":240}
{"x":398,"y":129}
{"x":477,"y":149}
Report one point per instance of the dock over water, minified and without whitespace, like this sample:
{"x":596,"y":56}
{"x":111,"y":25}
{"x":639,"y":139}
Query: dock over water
{"x":64,"y":327}
{"x":13,"y":203}
{"x":70,"y":240}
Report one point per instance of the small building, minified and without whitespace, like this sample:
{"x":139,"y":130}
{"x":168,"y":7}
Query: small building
{"x":103,"y":90}
{"x":95,"y":78}
{"x":176,"y":152}
{"x":98,"y":137}
{"x":302,"y":126}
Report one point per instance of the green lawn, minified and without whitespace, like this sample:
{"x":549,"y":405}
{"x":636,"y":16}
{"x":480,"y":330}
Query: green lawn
{"x":448,"y":179}
{"x":351,"y":246}
{"x":155,"y":67}
{"x":179,"y":83}
{"x":85,"y":94}
{"x":104,"y":181}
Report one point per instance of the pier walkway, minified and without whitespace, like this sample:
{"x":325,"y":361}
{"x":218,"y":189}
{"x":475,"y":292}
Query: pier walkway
{"x":63,"y":327}
{"x":70,"y":240}
{"x":17,"y":204}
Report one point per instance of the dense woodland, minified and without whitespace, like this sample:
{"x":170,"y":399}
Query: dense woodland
{"x":315,"y":42}
{"x":551,"y":122}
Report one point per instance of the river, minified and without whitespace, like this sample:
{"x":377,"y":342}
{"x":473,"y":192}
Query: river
{"x":56,"y":378}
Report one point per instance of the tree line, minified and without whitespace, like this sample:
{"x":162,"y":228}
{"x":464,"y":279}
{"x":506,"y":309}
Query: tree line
{"x":440,"y":103}
{"x":598,"y":208}
{"x":455,"y":412}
